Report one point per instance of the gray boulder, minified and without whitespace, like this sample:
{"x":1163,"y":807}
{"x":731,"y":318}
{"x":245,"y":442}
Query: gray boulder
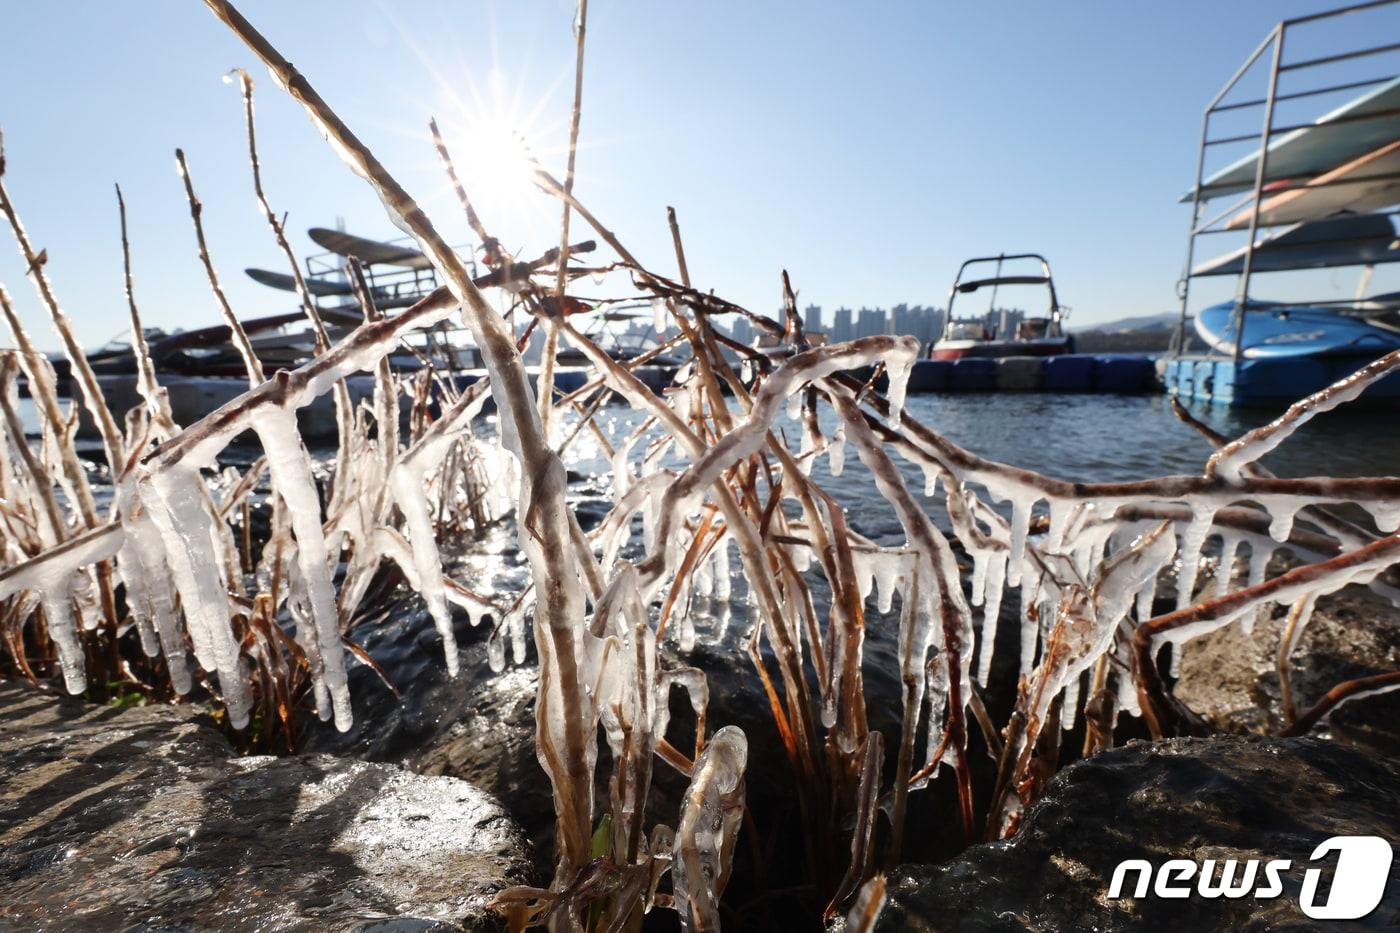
{"x":145,"y":818}
{"x":1227,"y":797}
{"x":1230,"y":676}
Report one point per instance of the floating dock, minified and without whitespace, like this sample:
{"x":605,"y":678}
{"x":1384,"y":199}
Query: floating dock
{"x":1268,"y":382}
{"x":1106,"y":375}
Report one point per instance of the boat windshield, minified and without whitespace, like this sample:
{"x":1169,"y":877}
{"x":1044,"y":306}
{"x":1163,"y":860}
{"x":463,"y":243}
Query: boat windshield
{"x":966,"y":330}
{"x":1033,"y":328}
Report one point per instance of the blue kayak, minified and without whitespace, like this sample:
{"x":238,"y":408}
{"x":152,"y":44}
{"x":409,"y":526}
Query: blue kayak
{"x":1271,"y":332}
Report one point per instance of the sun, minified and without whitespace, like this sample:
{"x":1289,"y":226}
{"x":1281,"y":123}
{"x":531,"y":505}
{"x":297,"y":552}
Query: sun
{"x":497,"y":145}
{"x":496,"y":162}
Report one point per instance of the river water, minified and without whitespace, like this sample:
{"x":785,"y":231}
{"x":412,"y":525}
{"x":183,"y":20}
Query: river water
{"x":1100,"y":438}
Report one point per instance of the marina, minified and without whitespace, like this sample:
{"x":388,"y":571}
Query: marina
{"x":581,"y":545}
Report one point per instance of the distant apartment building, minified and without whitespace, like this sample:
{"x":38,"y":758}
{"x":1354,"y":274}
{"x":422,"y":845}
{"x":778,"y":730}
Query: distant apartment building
{"x":870,"y":322}
{"x":841,"y":327}
{"x":921,"y":322}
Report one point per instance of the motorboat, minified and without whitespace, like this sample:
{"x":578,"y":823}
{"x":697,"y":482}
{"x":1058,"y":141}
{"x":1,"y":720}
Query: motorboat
{"x":997,"y":333}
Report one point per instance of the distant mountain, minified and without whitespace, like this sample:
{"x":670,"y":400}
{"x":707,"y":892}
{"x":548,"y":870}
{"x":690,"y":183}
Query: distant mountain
{"x":1146,"y":333}
{"x":1164,"y":321}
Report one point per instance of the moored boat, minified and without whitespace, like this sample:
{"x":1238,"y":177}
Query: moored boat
{"x":994,"y":334}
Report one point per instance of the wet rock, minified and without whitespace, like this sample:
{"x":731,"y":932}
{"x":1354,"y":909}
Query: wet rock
{"x":1230,"y":676}
{"x":492,"y":745}
{"x":1227,"y":797}
{"x":145,"y":818}
{"x":403,"y":640}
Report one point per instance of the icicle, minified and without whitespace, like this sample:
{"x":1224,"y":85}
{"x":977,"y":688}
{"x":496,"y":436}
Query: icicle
{"x":1191,"y":540}
{"x":978,"y":584}
{"x":806,"y":449}
{"x":1259,"y":556}
{"x":704,"y":578}
{"x":1305,"y":614}
{"x":836,"y":451}
{"x":898,"y":366}
{"x":1386,"y":515}
{"x":723,"y":583}
{"x":1127,"y":696}
{"x":890,"y":570}
{"x":290,"y":468}
{"x":58,"y":611}
{"x":930,"y":480}
{"x":937,"y":709}
{"x":1229,"y":547}
{"x":658,"y":314}
{"x":1060,"y":511}
{"x":711,"y":813}
{"x":1283,"y":511}
{"x":1021,"y":508}
{"x":1030,"y":631}
{"x":496,"y":651}
{"x":991,"y":610}
{"x":178,"y":507}
{"x":299,"y":605}
{"x":863,"y":565}
{"x":1145,"y":598}
{"x":406,"y":479}
{"x":1069,"y":706}
{"x":146,"y":551}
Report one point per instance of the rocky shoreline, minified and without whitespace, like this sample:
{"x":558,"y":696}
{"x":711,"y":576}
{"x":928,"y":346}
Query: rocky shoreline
{"x":145,"y":818}
{"x":1224,"y":797}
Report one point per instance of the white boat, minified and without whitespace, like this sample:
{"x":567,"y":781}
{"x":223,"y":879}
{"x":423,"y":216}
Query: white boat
{"x":986,"y":336}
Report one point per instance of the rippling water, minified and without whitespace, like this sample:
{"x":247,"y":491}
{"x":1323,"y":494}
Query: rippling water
{"x":1108,"y":437}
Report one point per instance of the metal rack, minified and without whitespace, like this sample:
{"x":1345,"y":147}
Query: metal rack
{"x":392,"y":286}
{"x":1266,"y":183}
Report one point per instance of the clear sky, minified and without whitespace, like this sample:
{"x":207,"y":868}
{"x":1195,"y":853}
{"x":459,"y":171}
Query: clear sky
{"x":866,"y":147}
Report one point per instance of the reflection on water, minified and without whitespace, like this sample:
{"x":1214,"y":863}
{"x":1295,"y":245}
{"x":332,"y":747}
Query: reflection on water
{"x":1101,"y":438}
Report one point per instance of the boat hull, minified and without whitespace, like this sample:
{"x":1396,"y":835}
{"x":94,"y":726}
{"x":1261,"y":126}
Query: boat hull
{"x":1280,"y":332}
{"x":193,"y":397}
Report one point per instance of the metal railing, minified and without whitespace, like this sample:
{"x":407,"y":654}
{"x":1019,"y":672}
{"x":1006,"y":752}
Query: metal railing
{"x":1272,"y":50}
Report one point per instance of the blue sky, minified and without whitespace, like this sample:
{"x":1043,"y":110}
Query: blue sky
{"x":867,"y":148}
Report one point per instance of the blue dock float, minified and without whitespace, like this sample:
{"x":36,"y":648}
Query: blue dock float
{"x":930,"y":375}
{"x":1124,"y":375}
{"x":974,"y":374}
{"x":1070,"y":373}
{"x":1267,"y":382}
{"x":1107,"y":375}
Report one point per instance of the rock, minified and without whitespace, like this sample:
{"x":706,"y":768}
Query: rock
{"x":117,"y":818}
{"x":492,"y":745}
{"x":1227,"y":797}
{"x":1230,"y":677}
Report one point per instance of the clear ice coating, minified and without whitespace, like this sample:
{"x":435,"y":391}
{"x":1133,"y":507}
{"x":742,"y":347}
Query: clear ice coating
{"x":711,"y":812}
